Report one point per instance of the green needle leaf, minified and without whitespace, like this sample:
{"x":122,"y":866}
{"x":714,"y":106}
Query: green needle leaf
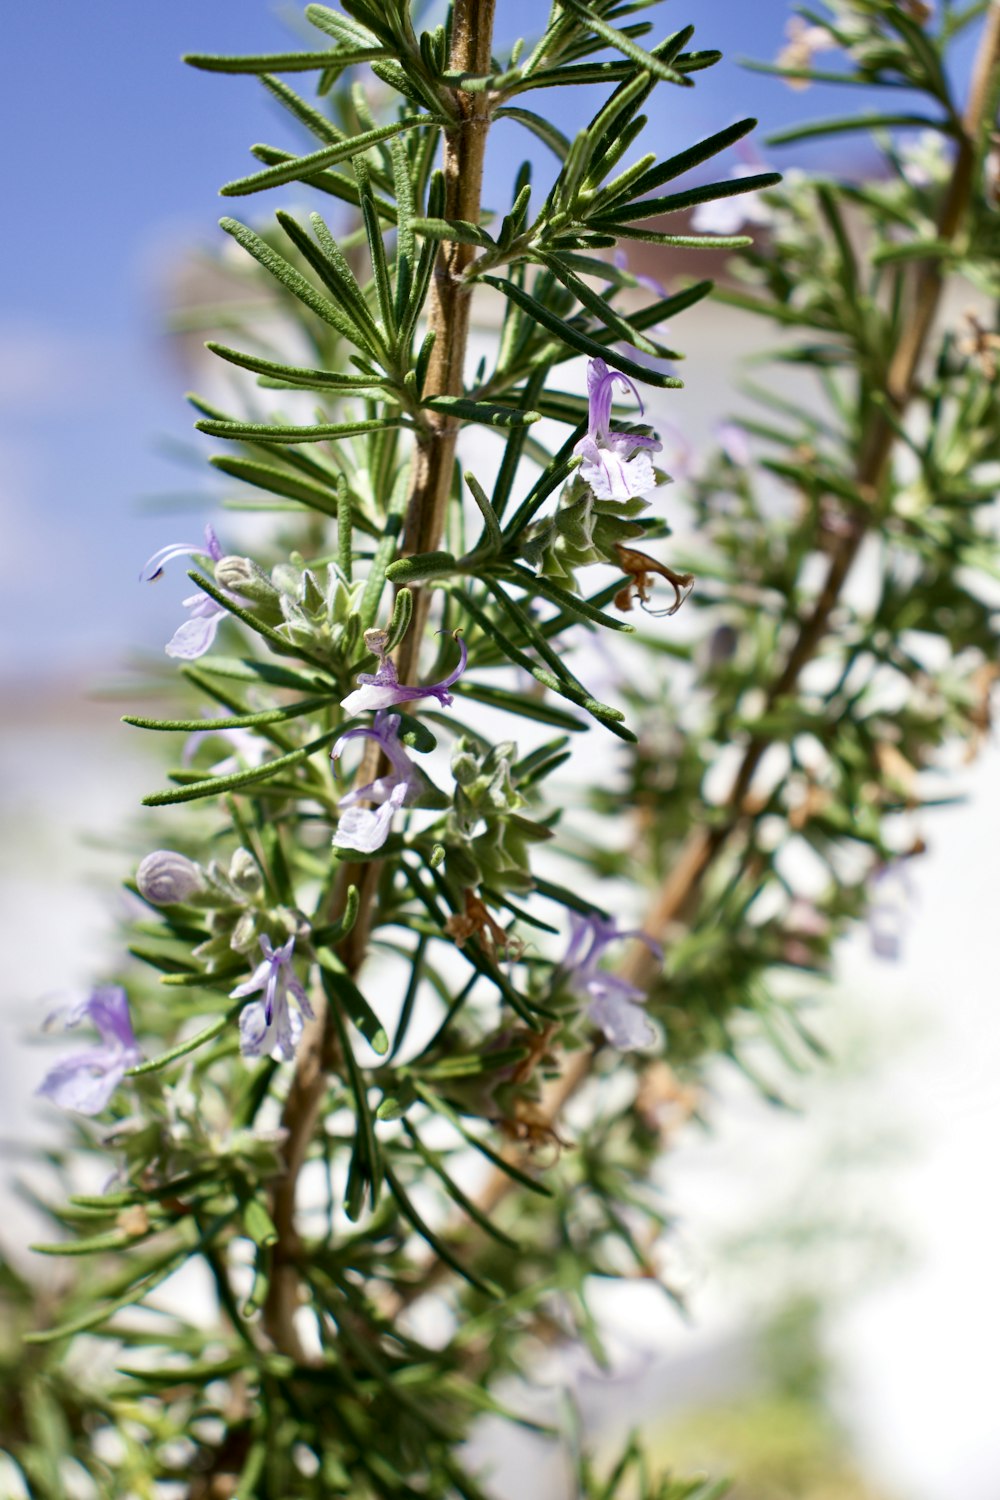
{"x":854,"y":122}
{"x":481,"y":411}
{"x":299,"y":167}
{"x":213,"y":786}
{"x":577,"y":340}
{"x":623,"y":43}
{"x":191,"y":1045}
{"x":268,"y":432}
{"x":284,"y":62}
{"x":353,"y":1001}
{"x":234,"y":721}
{"x":310,"y":379}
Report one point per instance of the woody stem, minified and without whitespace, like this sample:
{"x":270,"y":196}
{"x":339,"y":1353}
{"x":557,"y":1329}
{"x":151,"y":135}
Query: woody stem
{"x":430,"y":489}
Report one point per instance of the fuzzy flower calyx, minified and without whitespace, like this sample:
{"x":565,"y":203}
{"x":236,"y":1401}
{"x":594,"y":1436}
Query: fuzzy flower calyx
{"x":271,"y":1027}
{"x":614,"y":1005}
{"x":616,"y":465}
{"x":85,"y":1080}
{"x":383,"y":689}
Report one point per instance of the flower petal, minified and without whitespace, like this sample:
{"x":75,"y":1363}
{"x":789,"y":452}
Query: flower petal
{"x":623,"y":1022}
{"x":256,"y":1037}
{"x":257,"y":981}
{"x":85,"y":1082}
{"x":367,"y":828}
{"x":194,"y":637}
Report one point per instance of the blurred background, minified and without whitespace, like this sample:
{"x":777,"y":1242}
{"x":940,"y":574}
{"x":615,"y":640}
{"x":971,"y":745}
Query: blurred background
{"x":837,"y":1254}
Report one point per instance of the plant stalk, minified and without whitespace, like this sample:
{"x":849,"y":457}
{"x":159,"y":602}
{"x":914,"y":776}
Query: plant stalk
{"x":430,"y":488}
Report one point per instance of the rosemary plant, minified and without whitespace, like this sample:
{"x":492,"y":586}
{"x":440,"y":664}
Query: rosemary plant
{"x":334,"y":1069}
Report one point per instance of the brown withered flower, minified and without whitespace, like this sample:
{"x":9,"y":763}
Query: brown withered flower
{"x":477,"y":922}
{"x":642,"y":570}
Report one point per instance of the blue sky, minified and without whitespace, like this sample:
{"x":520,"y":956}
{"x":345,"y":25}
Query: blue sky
{"x":115,"y":152}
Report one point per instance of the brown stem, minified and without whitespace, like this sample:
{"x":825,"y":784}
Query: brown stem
{"x":430,"y":487}
{"x":449,"y":303}
{"x":702,"y":846}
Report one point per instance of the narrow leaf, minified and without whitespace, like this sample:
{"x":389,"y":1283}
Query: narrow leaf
{"x":577,"y":340}
{"x":490,"y":414}
{"x":214,"y":785}
{"x":268,"y":432}
{"x":303,"y":167}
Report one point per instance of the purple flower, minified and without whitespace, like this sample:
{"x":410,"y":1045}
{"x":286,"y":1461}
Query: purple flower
{"x":616,"y":465}
{"x":733,"y":441}
{"x":615,"y":1006}
{"x":196,"y":635}
{"x":620,"y":259}
{"x":367,"y":828}
{"x":85,"y":1081}
{"x":889,"y":913}
{"x":271,"y":1027}
{"x":166,"y":878}
{"x":384,"y":689}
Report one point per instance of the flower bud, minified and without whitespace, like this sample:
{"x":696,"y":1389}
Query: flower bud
{"x":244,"y":934}
{"x":166,"y":877}
{"x":464,"y":768}
{"x":241,"y":575}
{"x":245,"y":873}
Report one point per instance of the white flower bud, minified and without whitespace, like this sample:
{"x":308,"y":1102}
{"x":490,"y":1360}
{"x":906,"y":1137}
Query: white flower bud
{"x":166,"y":877}
{"x":244,"y":873}
{"x":241,"y":575}
{"x":244,"y":934}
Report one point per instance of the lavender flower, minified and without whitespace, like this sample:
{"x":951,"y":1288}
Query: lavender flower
{"x":620,"y":259}
{"x":85,"y":1081}
{"x":271,"y":1027}
{"x":615,"y":1006}
{"x":733,"y":441}
{"x":384,"y":689}
{"x":367,"y":828}
{"x":728,"y":215}
{"x":196,"y":635}
{"x":616,"y":465}
{"x":889,"y":910}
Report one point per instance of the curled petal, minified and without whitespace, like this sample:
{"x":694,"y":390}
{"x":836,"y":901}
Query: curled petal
{"x":156,"y":564}
{"x":384,"y":690}
{"x":106,"y":1008}
{"x":601,"y":381}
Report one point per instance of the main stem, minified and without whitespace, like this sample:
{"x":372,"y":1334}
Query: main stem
{"x":430,"y":488}
{"x":679,"y":891}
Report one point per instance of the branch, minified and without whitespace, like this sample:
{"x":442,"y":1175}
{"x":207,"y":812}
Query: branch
{"x":702,"y":846}
{"x":430,"y":487}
